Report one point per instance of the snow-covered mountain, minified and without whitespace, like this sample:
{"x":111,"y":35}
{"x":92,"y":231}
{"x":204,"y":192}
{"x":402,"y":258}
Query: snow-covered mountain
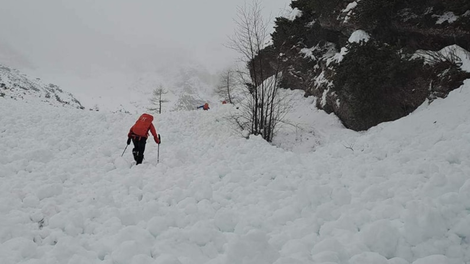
{"x":18,"y":86}
{"x":396,"y":194}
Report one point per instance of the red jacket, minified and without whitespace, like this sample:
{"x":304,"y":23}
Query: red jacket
{"x":142,"y":126}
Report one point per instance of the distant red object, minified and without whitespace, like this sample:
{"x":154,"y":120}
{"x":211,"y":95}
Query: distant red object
{"x":205,"y":106}
{"x":224,"y":102}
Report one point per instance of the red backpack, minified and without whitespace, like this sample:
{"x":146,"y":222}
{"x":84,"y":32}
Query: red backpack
{"x":142,"y":126}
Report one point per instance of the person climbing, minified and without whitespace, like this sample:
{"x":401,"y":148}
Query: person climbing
{"x":205,"y":106}
{"x":139,"y":133}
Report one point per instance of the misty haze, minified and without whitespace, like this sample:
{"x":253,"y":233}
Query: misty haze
{"x":234,"y":132}
{"x":104,"y":50}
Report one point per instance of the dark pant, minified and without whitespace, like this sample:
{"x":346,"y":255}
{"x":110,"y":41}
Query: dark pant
{"x":139,"y":148}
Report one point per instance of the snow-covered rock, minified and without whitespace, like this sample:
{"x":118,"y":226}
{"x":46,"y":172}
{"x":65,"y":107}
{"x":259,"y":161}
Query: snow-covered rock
{"x":17,"y":86}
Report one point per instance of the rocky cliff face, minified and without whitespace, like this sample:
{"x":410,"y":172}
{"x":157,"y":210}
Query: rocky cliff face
{"x":371,"y":61}
{"x":17,"y":86}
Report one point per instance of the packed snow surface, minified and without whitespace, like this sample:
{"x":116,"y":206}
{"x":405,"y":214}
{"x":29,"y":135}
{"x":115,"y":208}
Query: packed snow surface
{"x":396,"y":194}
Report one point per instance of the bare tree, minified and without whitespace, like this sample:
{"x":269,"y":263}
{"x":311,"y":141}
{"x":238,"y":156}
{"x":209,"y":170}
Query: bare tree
{"x":262,"y":109}
{"x":156,"y":100}
{"x":227,"y":85}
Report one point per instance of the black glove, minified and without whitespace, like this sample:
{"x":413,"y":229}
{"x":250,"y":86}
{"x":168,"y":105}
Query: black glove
{"x":128,"y":141}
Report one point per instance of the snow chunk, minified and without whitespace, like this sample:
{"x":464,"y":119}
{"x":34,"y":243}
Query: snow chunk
{"x":245,"y":133}
{"x":49,"y":190}
{"x":225,"y":220}
{"x":201,"y":190}
{"x":464,"y":192}
{"x":308,"y":53}
{"x":340,"y":55}
{"x":422,"y":222}
{"x":368,"y":258}
{"x":326,"y":257}
{"x":358,"y":36}
{"x":157,"y":225}
{"x":381,"y":237}
{"x":397,"y":261}
{"x":39,"y":155}
{"x":434,"y":259}
{"x":252,"y":248}
{"x":127,"y":250}
{"x":348,"y":11}
{"x":448,"y":17}
{"x":22,"y":248}
{"x":292,"y":14}
{"x":132,"y":241}
{"x":462,"y":228}
{"x":121,"y":163}
{"x":167,"y":259}
{"x":31,"y":201}
{"x":142,"y":259}
{"x":330,"y":245}
{"x":350,"y":7}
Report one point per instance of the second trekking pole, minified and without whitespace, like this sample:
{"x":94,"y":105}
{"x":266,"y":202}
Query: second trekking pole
{"x":128,"y":142}
{"x":158,"y":149}
{"x":124,"y":151}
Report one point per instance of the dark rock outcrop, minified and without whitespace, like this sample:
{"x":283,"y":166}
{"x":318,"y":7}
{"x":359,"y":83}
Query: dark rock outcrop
{"x":380,"y":78}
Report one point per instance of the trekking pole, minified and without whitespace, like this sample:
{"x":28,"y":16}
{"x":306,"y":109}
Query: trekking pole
{"x":124,"y":151}
{"x":158,"y":149}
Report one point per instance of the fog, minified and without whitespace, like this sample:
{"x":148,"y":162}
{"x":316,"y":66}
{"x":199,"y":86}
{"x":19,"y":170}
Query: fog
{"x":90,"y":36}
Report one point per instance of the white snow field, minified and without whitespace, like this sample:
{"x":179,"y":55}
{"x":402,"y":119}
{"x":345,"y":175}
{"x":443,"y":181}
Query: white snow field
{"x":396,"y":194}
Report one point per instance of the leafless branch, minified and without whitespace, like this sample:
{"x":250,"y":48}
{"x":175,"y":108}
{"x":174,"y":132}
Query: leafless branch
{"x":262,"y":108}
{"x":156,"y":100}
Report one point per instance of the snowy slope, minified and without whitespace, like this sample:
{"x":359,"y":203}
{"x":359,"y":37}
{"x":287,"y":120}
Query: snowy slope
{"x":17,"y":86}
{"x":399,"y":193}
{"x":305,"y":128}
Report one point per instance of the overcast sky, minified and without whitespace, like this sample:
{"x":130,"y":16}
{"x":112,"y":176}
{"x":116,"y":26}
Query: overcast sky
{"x":117,"y":34}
